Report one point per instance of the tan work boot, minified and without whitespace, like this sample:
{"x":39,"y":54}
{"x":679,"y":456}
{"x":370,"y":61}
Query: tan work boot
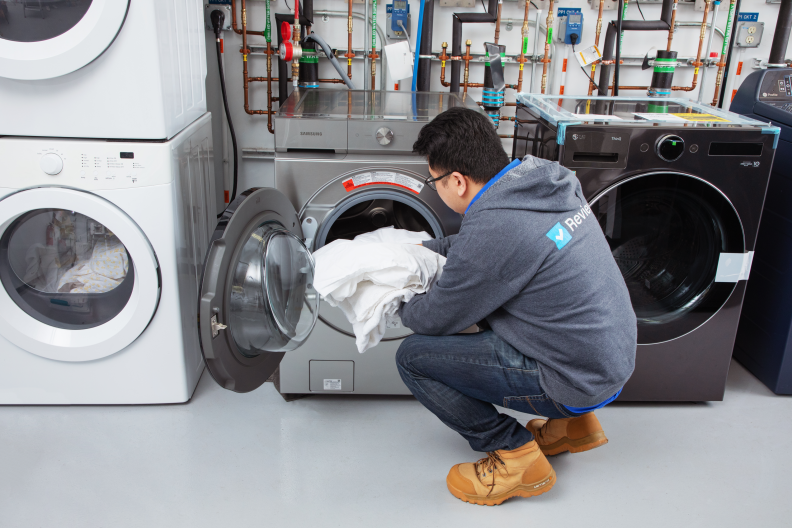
{"x":567,"y":434}
{"x":523,"y":472}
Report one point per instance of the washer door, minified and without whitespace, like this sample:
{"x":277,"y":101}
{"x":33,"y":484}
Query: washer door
{"x":43,"y":39}
{"x":80,"y":279}
{"x":667,"y":233}
{"x":257,"y":300}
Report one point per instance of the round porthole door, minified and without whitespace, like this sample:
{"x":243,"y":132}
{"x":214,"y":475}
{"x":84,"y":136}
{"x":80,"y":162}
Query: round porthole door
{"x":257,"y":300}
{"x":43,"y":39}
{"x":80,"y":280}
{"x":667,"y":232}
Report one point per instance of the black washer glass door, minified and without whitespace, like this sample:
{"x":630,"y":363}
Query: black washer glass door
{"x":38,"y":20}
{"x":666,"y":232}
{"x":257,"y":299}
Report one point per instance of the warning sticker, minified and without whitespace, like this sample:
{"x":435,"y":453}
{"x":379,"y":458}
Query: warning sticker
{"x":708,"y":118}
{"x":386,"y":178}
{"x":332,"y":384}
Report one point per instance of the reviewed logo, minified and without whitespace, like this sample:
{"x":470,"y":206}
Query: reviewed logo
{"x":310,"y":133}
{"x":559,"y":235}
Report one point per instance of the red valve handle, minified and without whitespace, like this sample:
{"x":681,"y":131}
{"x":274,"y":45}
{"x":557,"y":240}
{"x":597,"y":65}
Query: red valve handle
{"x":286,"y":32}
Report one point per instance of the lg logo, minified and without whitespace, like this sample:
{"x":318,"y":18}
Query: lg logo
{"x":575,"y":137}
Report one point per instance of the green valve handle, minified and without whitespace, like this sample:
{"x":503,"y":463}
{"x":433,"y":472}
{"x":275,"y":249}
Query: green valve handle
{"x":525,"y":46}
{"x":268,"y":28}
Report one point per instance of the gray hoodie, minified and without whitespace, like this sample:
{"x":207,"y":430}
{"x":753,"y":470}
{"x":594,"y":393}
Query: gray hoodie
{"x":531,"y":259}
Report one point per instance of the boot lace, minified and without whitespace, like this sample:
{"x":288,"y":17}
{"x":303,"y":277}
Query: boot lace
{"x":487,"y":466}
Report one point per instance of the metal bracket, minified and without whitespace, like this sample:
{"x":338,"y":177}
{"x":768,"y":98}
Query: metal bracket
{"x":216,"y":327}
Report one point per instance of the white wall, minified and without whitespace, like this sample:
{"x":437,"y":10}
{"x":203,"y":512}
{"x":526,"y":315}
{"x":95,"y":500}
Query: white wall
{"x":252,"y":130}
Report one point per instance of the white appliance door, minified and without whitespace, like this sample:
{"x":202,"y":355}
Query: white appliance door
{"x":257,"y":299}
{"x":43,"y":39}
{"x":80,"y":280}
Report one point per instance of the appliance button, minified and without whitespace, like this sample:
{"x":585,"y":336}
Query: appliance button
{"x":693,"y":148}
{"x":51,"y":163}
{"x":384,"y":136}
{"x":670,"y":147}
{"x":644,"y":147}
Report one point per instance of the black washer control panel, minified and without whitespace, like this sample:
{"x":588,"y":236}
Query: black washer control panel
{"x":670,"y":147}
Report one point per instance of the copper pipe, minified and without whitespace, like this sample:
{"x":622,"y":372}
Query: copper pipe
{"x":350,"y":54}
{"x":244,"y":21}
{"x":672,"y":26}
{"x":506,"y":135}
{"x":497,"y":23}
{"x":507,"y":118}
{"x":443,"y":58}
{"x":596,"y":43}
{"x":504,"y":104}
{"x":467,"y":59}
{"x":245,"y":80}
{"x":697,"y":62}
{"x":523,"y":45}
{"x":270,"y":128}
{"x":722,"y":64}
{"x":545,"y":59}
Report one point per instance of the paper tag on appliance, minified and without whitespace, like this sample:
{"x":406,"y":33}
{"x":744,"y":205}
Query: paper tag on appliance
{"x":659,"y":117}
{"x":383,"y":178}
{"x":332,"y":384}
{"x":705,"y":118}
{"x":588,"y":55}
{"x":400,"y":60}
{"x":597,"y":117}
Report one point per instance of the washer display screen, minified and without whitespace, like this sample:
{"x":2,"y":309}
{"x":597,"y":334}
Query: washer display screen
{"x":39,"y":20}
{"x":65,"y":269}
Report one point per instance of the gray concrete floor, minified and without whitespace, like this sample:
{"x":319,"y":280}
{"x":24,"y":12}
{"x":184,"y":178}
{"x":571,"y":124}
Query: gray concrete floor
{"x":227,"y":459}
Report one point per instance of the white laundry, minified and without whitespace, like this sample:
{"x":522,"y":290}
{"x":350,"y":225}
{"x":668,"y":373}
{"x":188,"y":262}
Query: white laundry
{"x":370,"y":276}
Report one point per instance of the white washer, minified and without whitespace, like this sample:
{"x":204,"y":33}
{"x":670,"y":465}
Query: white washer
{"x":127,"y":69}
{"x":101,"y":243}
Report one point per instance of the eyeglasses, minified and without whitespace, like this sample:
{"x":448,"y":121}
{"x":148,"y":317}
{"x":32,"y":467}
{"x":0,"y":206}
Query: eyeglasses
{"x":431,"y":181}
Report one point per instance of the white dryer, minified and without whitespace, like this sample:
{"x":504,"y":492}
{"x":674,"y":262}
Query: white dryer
{"x":127,"y":69}
{"x":101,"y":243}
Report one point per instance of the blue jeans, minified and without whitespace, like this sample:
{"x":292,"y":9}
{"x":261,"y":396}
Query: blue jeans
{"x":459,"y":377}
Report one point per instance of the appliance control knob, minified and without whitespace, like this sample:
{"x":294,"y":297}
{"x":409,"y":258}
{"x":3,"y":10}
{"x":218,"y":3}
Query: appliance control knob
{"x":51,"y":163}
{"x":670,"y":147}
{"x":384,"y":136}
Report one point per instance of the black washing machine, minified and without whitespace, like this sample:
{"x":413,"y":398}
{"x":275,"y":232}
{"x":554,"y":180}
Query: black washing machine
{"x":764,"y":338}
{"x":677,"y":188}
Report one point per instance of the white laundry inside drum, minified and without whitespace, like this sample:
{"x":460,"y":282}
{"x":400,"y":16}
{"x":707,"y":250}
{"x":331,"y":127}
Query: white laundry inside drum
{"x":67,"y":269}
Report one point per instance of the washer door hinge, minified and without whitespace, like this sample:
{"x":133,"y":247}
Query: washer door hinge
{"x":216,"y":327}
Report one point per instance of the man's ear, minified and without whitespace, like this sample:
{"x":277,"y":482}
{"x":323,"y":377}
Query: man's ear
{"x":460,"y":183}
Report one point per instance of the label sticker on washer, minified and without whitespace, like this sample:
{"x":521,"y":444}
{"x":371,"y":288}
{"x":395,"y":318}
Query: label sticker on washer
{"x":380,"y":178}
{"x":705,"y":118}
{"x":332,"y":384}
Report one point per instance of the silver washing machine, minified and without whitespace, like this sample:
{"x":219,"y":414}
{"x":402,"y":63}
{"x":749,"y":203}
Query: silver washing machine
{"x":344,"y":159}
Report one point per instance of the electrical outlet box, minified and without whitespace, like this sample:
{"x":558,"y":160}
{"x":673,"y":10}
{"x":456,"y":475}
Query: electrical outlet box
{"x":397,"y":35}
{"x":225,"y":8}
{"x":748,"y":34}
{"x":612,"y":5}
{"x":570,"y":22}
{"x":458,"y":3}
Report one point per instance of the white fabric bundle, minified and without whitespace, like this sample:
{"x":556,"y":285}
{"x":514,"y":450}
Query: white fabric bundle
{"x":370,"y":276}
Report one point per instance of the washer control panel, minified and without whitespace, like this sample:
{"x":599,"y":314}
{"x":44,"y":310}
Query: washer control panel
{"x":82,"y":164}
{"x":670,"y":147}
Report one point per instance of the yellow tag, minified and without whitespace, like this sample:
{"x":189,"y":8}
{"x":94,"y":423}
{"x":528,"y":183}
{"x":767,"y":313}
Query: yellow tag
{"x":442,"y":65}
{"x":702,"y":118}
{"x":695,"y":72}
{"x":521,"y":66}
{"x":244,"y":58}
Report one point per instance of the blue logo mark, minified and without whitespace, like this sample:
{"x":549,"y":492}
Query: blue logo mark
{"x":559,"y":235}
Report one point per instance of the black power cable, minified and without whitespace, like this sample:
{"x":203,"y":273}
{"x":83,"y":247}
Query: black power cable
{"x":218,"y":18}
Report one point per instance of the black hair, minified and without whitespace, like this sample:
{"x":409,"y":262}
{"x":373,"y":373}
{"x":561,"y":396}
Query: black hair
{"x":464,"y":141}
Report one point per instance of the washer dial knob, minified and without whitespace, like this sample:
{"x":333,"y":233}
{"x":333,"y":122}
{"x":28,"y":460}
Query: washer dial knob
{"x":384,"y":136}
{"x":51,"y":163}
{"x":670,"y":147}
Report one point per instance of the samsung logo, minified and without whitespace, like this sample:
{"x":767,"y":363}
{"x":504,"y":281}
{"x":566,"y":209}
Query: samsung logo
{"x":310,"y":133}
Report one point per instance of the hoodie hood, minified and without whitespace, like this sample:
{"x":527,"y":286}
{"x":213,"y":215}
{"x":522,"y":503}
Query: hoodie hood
{"x":535,"y":185}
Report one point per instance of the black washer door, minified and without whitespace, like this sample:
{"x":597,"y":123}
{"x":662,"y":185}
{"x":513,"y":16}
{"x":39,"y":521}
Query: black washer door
{"x":257,"y":300}
{"x":666,"y":232}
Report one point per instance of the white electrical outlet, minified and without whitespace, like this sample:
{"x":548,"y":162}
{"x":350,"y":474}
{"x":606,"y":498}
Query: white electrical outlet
{"x":748,"y":34}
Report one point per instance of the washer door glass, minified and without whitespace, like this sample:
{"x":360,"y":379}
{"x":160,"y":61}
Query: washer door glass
{"x":65,"y":269}
{"x":273,"y":305}
{"x":38,"y":20}
{"x":666,"y":232}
